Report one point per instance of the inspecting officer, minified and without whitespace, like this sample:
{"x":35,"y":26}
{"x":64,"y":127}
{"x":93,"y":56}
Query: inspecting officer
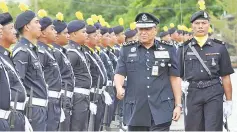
{"x":153,"y":85}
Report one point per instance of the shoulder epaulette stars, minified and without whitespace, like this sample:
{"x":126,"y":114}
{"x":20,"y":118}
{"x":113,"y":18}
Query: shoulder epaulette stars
{"x":218,"y":41}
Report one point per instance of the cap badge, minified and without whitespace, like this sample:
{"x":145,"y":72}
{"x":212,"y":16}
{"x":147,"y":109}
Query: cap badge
{"x":144,"y":17}
{"x":205,"y":15}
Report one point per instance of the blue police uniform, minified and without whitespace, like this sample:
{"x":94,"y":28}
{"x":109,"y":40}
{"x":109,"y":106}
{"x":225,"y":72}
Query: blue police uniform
{"x":30,"y":71}
{"x":83,"y":82}
{"x":68,"y":84}
{"x":148,"y":91}
{"x":18,"y":92}
{"x":205,"y":92}
{"x":54,"y":82}
{"x":5,"y":95}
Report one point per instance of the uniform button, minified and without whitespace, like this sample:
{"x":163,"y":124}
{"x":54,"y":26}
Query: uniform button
{"x":131,"y":60}
{"x":147,"y":60}
{"x":148,"y":96}
{"x":147,"y":69}
{"x":148,"y":86}
{"x":190,"y":58}
{"x":147,"y":52}
{"x":201,"y":70}
{"x":148,"y":78}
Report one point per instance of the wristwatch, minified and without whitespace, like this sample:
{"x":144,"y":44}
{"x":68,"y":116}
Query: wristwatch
{"x":179,"y":105}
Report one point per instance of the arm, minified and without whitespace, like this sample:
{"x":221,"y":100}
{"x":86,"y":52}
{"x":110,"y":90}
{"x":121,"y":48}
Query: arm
{"x":176,"y":84}
{"x":21,"y":63}
{"x":227,"y":87}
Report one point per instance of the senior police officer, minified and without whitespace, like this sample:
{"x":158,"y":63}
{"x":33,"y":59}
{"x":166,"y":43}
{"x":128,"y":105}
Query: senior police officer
{"x":51,"y":69}
{"x":66,"y":70}
{"x":205,"y":64}
{"x":18,"y":93}
{"x":83,"y":80}
{"x":153,"y":84}
{"x":29,"y":67}
{"x":5,"y":95}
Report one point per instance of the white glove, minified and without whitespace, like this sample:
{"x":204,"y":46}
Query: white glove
{"x":62,"y":117}
{"x":184,"y":86}
{"x":108,"y":99}
{"x":93,"y":108}
{"x":227,"y":108}
{"x":28,"y":127}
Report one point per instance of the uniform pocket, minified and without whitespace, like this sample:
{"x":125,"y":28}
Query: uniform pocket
{"x":212,"y":62}
{"x":167,"y":102}
{"x":129,"y":107}
{"x":131,"y":63}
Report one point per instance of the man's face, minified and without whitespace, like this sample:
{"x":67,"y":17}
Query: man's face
{"x":50,"y":33}
{"x":93,"y":39}
{"x":166,"y":38}
{"x":121,"y":38}
{"x":34,"y":27}
{"x":63,"y":37}
{"x":1,"y":30}
{"x":200,"y":27}
{"x":174,"y":36}
{"x":81,"y":36}
{"x":105,"y":40}
{"x":9,"y":33}
{"x":99,"y":37}
{"x":147,"y":35}
{"x":114,"y":39}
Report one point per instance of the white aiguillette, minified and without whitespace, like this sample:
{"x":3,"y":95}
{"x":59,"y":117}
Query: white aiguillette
{"x":162,"y":54}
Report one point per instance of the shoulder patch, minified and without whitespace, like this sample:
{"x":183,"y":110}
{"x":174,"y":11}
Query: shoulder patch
{"x":129,"y":43}
{"x":218,"y":41}
{"x":24,"y":49}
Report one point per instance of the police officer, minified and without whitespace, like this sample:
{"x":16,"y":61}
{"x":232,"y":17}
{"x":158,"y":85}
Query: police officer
{"x":153,"y":86}
{"x":18,"y":93}
{"x":51,"y":70}
{"x":205,"y":92}
{"x":174,"y":35}
{"x":29,"y":67}
{"x":5,"y":94}
{"x":66,"y":70}
{"x":83,"y":80}
{"x":97,"y":69}
{"x":165,"y":36}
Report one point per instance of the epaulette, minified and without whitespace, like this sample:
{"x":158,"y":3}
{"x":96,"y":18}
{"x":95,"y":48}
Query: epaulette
{"x":41,"y":50}
{"x":18,"y":49}
{"x":164,"y":42}
{"x":129,"y":43}
{"x":218,"y":41}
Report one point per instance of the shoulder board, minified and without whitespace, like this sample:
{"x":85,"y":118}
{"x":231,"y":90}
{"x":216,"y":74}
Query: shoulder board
{"x":18,"y":49}
{"x":129,"y":43}
{"x":218,"y":41}
{"x":164,"y":43}
{"x":186,"y":42}
{"x":41,"y":50}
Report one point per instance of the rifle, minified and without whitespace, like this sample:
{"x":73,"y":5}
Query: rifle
{"x":105,"y":125}
{"x":92,"y":117}
{"x":12,"y":119}
{"x":30,"y":106}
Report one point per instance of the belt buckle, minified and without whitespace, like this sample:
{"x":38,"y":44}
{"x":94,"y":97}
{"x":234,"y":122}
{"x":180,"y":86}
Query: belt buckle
{"x":200,"y":84}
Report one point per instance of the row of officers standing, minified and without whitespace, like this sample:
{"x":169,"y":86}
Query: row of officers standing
{"x":58,"y":76}
{"x":49,"y":83}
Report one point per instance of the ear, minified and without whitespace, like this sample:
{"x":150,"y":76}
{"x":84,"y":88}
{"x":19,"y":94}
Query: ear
{"x":43,"y":34}
{"x":26,"y":27}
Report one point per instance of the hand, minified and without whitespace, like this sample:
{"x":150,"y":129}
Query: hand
{"x":184,"y":86}
{"x":93,"y":108}
{"x":120,"y":93}
{"x":227,"y":108}
{"x":176,"y":113}
{"x":62,"y":116}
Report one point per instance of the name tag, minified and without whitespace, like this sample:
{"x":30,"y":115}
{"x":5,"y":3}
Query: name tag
{"x":162,"y":54}
{"x":190,"y":53}
{"x":132,"y":55}
{"x":155,"y":71}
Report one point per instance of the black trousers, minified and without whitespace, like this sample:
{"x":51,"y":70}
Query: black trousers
{"x":4,"y":125}
{"x":159,"y":127}
{"x":54,"y":113}
{"x":80,"y":112}
{"x":205,"y":109}
{"x":39,"y":117}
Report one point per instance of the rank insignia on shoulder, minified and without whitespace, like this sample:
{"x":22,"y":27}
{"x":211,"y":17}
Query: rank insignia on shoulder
{"x":218,"y":41}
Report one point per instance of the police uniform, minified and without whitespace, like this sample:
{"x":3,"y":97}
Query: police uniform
{"x":83,"y":80}
{"x":52,"y":77}
{"x":205,"y":93}
{"x":30,"y":71}
{"x":5,"y":100}
{"x":148,"y":90}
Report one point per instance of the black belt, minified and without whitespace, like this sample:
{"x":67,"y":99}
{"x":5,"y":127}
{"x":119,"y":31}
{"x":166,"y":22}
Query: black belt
{"x":203,"y":84}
